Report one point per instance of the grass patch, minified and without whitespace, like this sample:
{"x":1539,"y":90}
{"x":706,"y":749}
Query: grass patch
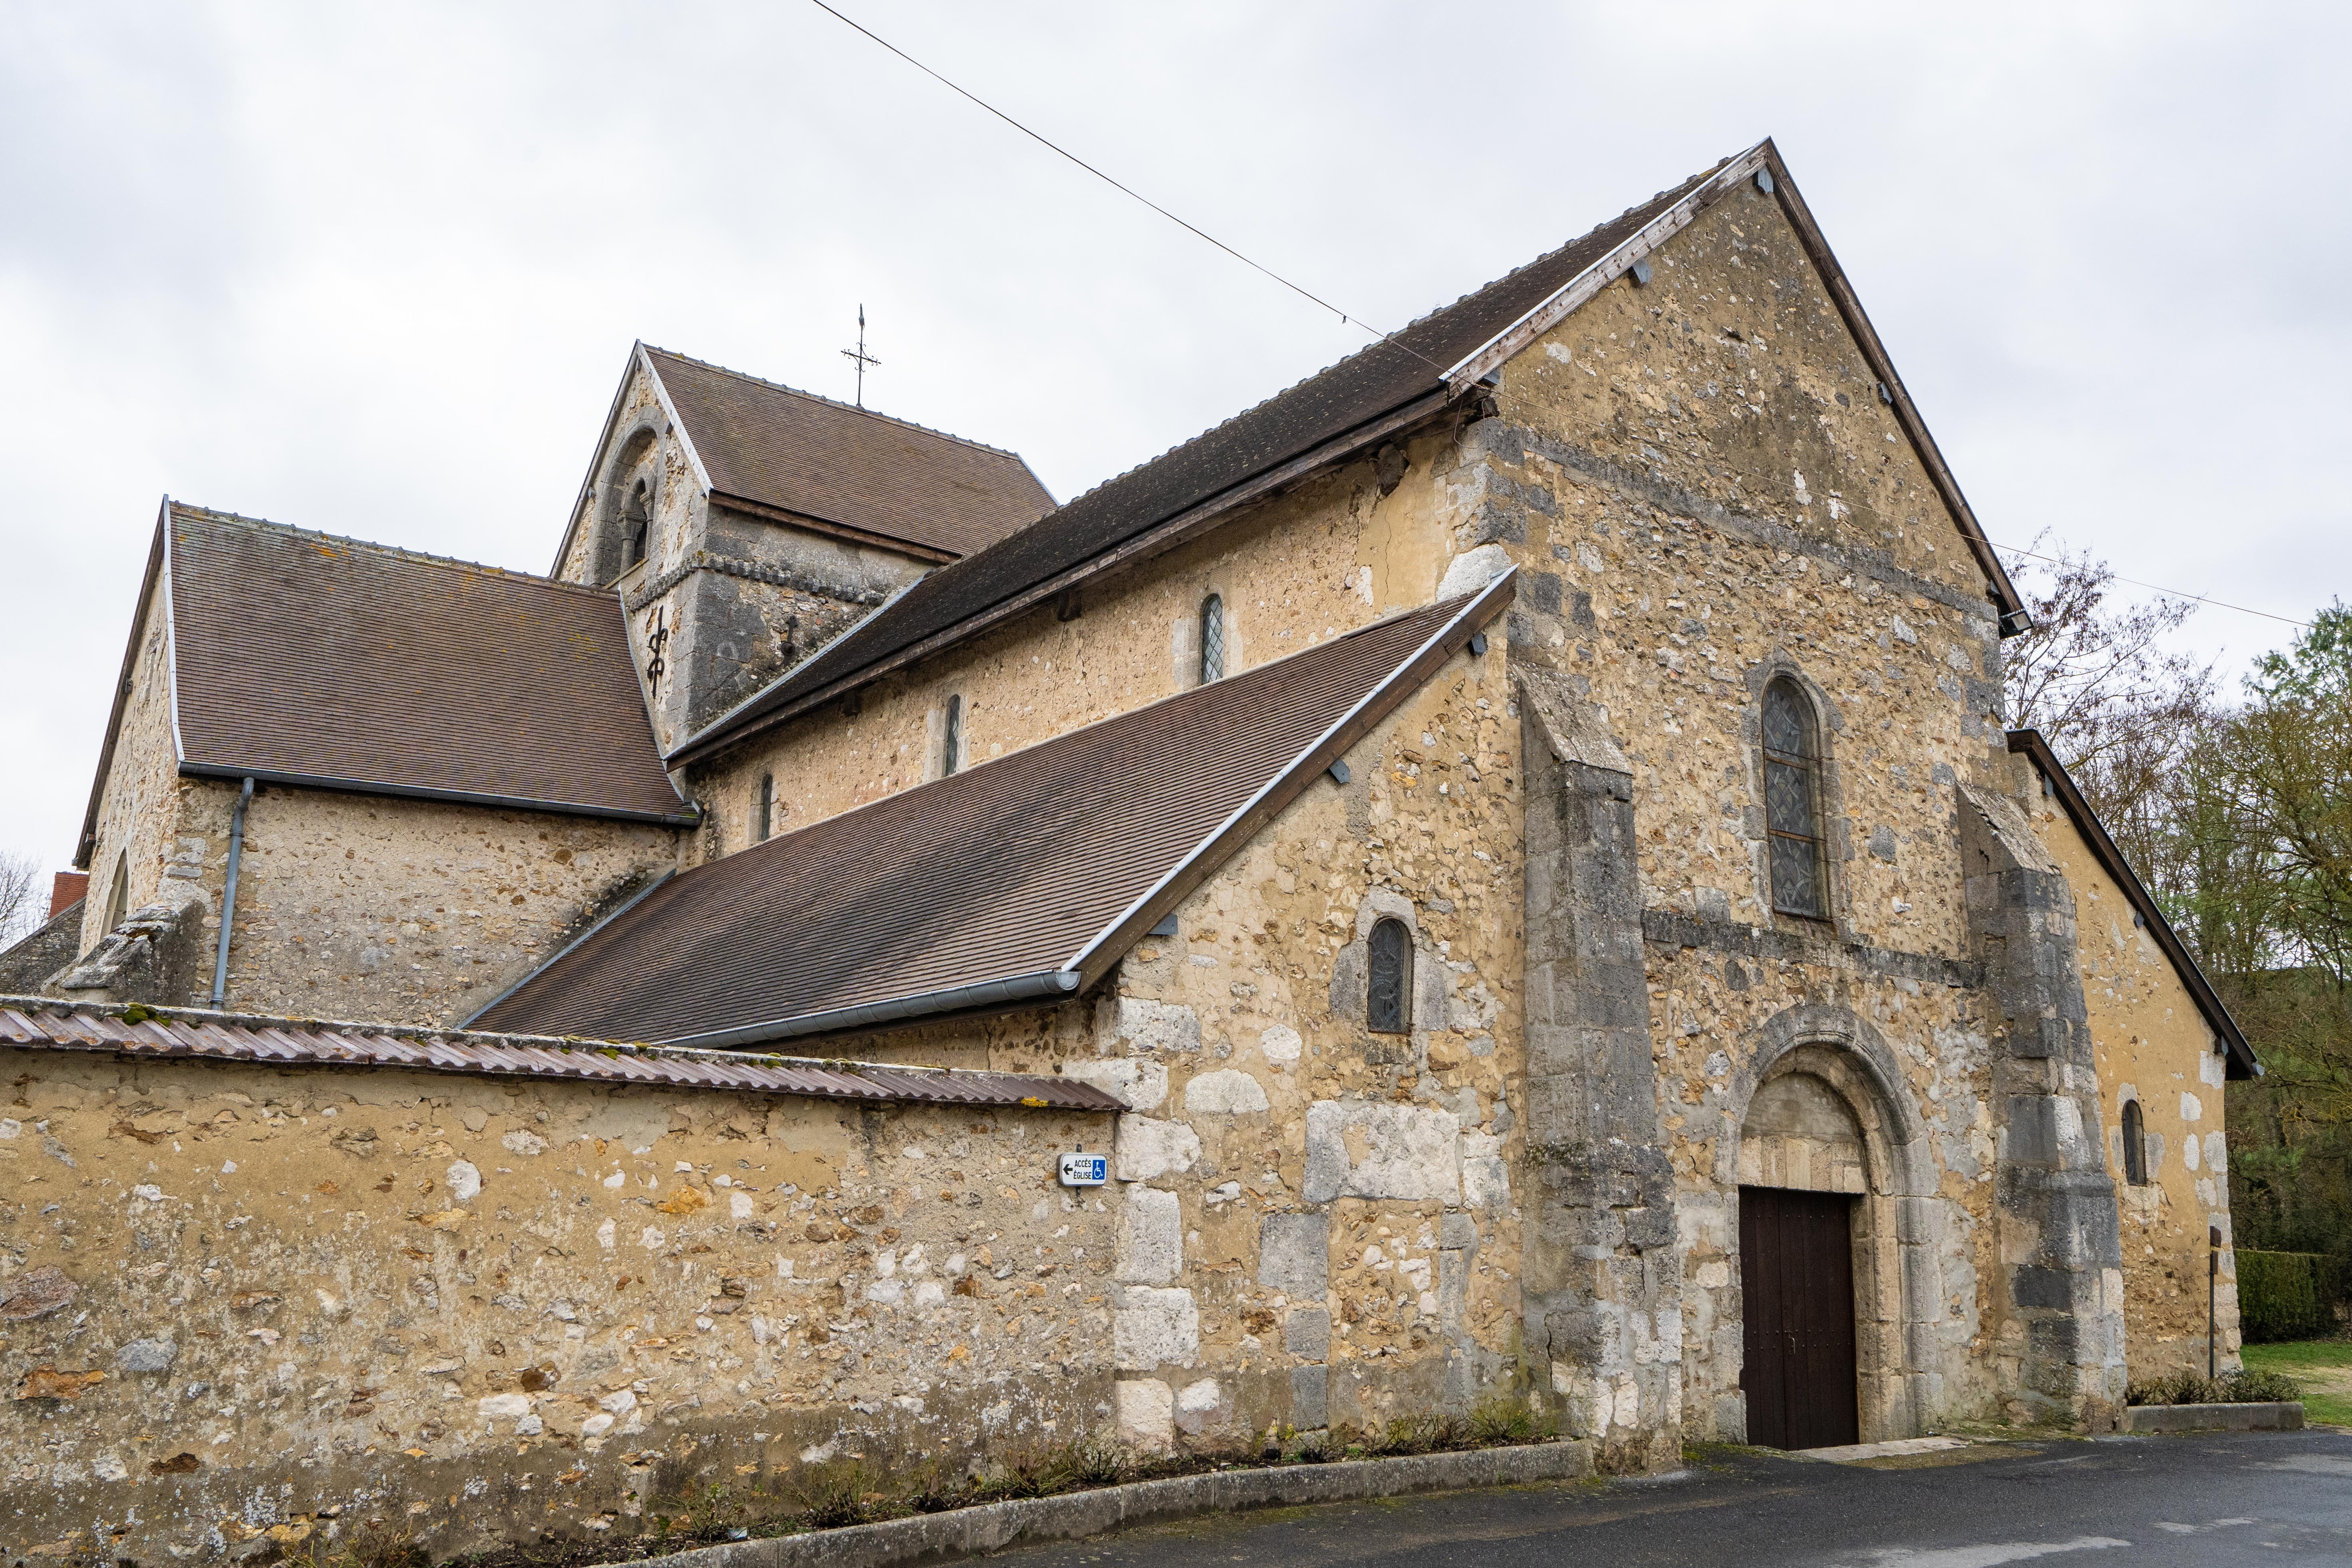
{"x":2322,"y":1370}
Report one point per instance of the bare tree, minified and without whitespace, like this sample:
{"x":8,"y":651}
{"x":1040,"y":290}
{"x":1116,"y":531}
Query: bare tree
{"x":2122,"y":713}
{"x":2095,"y":681}
{"x":24,"y":898}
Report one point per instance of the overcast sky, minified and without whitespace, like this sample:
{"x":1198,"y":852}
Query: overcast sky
{"x":376,"y":271}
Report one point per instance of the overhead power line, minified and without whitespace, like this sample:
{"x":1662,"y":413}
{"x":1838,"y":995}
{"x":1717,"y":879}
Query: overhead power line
{"x":2171,"y":592}
{"x":1346,"y":318}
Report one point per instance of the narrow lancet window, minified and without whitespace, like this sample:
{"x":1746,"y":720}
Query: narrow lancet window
{"x":637,"y":523}
{"x":952,"y":738}
{"x":118,"y":895}
{"x":1212,"y":638}
{"x":764,"y":817}
{"x":2135,"y":1145}
{"x":1792,"y":777}
{"x":1389,"y":1005}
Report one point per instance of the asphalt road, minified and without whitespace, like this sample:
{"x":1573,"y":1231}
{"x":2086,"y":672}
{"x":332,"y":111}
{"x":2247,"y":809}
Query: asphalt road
{"x":2236,"y":1498}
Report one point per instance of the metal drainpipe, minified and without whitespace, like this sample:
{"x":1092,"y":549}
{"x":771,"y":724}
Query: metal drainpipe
{"x":228,"y":895}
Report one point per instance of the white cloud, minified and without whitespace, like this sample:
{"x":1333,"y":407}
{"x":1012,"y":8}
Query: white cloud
{"x":376,"y":271}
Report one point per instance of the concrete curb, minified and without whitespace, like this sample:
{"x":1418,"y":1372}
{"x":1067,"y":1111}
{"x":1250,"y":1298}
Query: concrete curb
{"x":992,"y":1527}
{"x":2285,"y":1417}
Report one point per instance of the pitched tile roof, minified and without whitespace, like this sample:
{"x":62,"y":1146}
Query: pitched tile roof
{"x":1387,"y":376}
{"x":307,"y":658}
{"x":1385,"y":388}
{"x":1021,"y":879}
{"x":851,"y":466}
{"x":37,"y":1023}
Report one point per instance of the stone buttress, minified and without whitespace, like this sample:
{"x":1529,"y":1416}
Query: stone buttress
{"x":1601,"y":1274}
{"x":2059,"y":1300}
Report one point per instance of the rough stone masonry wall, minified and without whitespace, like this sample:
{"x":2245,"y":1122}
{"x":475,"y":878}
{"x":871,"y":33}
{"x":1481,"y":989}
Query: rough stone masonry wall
{"x":139,"y":811}
{"x":2152,"y":1046}
{"x":723,"y":601}
{"x":409,"y":911}
{"x":241,"y":1306}
{"x":764,"y":595}
{"x":1337,"y":553}
{"x":1319,"y":1225}
{"x":1705,"y":490}
{"x":384,"y":909}
{"x":644,"y":444}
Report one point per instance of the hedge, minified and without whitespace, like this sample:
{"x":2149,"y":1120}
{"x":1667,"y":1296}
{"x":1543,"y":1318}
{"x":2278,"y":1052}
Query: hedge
{"x":2287,"y":1295}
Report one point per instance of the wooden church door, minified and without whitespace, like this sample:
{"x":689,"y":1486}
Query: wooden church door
{"x":1795,"y":1272}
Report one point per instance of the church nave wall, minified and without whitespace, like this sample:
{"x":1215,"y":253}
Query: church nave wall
{"x":1317,"y":1222}
{"x":140,"y":829}
{"x":412,"y":911}
{"x":2155,"y":1050}
{"x":1337,"y":553}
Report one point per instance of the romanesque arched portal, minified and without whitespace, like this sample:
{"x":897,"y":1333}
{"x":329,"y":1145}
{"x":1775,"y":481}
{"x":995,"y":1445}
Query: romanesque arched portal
{"x":1826,"y":1140}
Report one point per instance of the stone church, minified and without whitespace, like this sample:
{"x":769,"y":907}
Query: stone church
{"x":1510,"y":848}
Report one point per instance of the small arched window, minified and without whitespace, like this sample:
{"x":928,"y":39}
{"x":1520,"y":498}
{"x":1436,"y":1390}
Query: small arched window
{"x":1212,"y":638}
{"x":1792,"y":778}
{"x":951,"y":737}
{"x":1389,"y":1003}
{"x":636,"y":524}
{"x":2135,"y":1145}
{"x":118,"y":895}
{"x":763,"y":818}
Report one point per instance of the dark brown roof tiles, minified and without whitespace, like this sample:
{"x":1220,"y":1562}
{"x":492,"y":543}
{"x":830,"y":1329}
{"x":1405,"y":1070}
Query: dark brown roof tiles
{"x":305,"y":657}
{"x":852,"y":467}
{"x":1326,"y":405}
{"x":1005,"y":874}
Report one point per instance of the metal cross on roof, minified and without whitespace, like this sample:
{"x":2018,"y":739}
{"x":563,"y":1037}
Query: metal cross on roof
{"x":861,"y":356}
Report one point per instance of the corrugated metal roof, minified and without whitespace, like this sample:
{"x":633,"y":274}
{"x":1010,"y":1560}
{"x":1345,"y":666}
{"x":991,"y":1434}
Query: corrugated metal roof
{"x":1353,"y":393}
{"x":1022,"y":868}
{"x":307,"y":657}
{"x":39,"y":1024}
{"x":822,"y":460}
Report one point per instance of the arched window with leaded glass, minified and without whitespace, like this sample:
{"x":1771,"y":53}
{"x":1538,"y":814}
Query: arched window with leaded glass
{"x":1212,"y":638}
{"x":1389,"y":1002}
{"x":1793,"y":802}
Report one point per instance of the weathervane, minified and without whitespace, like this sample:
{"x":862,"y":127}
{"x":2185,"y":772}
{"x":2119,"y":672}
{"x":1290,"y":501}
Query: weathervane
{"x":861,"y":356}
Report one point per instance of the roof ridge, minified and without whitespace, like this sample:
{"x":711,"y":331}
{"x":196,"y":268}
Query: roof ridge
{"x":833,"y":403}
{"x":848,"y":660}
{"x":1391,"y":339}
{"x":217,"y":515}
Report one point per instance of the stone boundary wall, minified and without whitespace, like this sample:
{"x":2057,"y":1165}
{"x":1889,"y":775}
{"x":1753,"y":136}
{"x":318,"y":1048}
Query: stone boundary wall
{"x":993,"y":1527}
{"x":242,"y":1304}
{"x":2286,"y":1415}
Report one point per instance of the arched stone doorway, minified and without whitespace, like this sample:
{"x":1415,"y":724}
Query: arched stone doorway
{"x":1836,"y":1200}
